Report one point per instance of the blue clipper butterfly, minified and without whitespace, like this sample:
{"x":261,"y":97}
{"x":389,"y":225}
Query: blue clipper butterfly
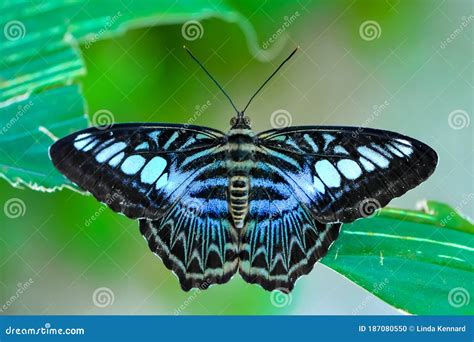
{"x":268,"y":205}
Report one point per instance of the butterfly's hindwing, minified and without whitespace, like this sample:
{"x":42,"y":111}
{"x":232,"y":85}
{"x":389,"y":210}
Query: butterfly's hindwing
{"x":333,"y":170}
{"x":195,"y":238}
{"x":139,"y":170}
{"x":281,"y":240}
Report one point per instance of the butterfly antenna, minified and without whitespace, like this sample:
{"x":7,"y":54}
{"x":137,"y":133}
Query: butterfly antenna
{"x":213,"y":79}
{"x":269,"y":78}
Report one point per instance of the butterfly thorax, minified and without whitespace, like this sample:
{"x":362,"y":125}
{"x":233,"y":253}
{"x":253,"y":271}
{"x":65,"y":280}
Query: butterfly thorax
{"x":240,"y":160}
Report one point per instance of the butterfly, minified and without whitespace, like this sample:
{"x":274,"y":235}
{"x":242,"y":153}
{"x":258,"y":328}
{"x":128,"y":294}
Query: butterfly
{"x":267,"y":205}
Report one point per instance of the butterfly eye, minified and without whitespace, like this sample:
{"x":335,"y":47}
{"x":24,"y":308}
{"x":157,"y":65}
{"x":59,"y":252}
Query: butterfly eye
{"x":233,"y":121}
{"x":247,"y":120}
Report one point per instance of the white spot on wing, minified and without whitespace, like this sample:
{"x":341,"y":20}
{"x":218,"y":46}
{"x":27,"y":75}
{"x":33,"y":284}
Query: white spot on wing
{"x":328,"y":173}
{"x":110,"y":151}
{"x":152,"y":170}
{"x":132,"y":164}
{"x":170,"y":140}
{"x":318,"y":185}
{"x":327,"y":140}
{"x":349,"y":168}
{"x":188,"y":142}
{"x":142,"y":146}
{"x":162,"y":181}
{"x":366,"y":164}
{"x":91,"y":145}
{"x":117,"y":159}
{"x":340,"y":149}
{"x":82,"y":136}
{"x":279,"y":138}
{"x":310,"y":141}
{"x":201,"y":136}
{"x":81,"y":143}
{"x":406,"y":150}
{"x":373,"y":156}
{"x":292,"y":143}
{"x":381,"y":150}
{"x":154,"y":135}
{"x":394,"y":150}
{"x":403,"y":141}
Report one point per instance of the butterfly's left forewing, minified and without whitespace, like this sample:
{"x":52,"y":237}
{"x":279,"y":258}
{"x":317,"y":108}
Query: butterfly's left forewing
{"x":138,"y":170}
{"x":335,"y":170}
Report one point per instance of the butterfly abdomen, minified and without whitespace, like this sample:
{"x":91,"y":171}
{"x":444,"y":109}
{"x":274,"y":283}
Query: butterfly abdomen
{"x":238,"y":199}
{"x":240,"y":161}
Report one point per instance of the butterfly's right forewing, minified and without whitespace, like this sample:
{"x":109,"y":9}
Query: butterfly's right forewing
{"x":334,"y":171}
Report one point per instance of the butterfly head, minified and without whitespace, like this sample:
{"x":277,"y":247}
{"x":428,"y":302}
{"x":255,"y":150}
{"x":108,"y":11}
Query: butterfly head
{"x":240,"y":121}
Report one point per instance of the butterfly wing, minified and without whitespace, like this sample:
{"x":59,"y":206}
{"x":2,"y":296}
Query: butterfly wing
{"x":335,"y":170}
{"x":282,"y":240}
{"x":195,"y":238}
{"x":138,"y":170}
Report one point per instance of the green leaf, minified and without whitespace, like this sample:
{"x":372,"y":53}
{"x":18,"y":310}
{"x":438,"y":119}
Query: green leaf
{"x":40,"y":50}
{"x":419,"y":262}
{"x":24,"y":136}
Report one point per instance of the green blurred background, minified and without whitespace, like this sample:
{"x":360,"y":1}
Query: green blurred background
{"x":408,"y":77}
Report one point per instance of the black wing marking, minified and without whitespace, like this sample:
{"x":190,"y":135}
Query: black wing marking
{"x":195,"y":238}
{"x":138,"y":170}
{"x":333,"y":170}
{"x":281,"y":241}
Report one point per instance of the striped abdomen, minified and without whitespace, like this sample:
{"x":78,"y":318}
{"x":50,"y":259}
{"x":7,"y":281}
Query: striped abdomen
{"x":240,"y":161}
{"x":238,"y":199}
